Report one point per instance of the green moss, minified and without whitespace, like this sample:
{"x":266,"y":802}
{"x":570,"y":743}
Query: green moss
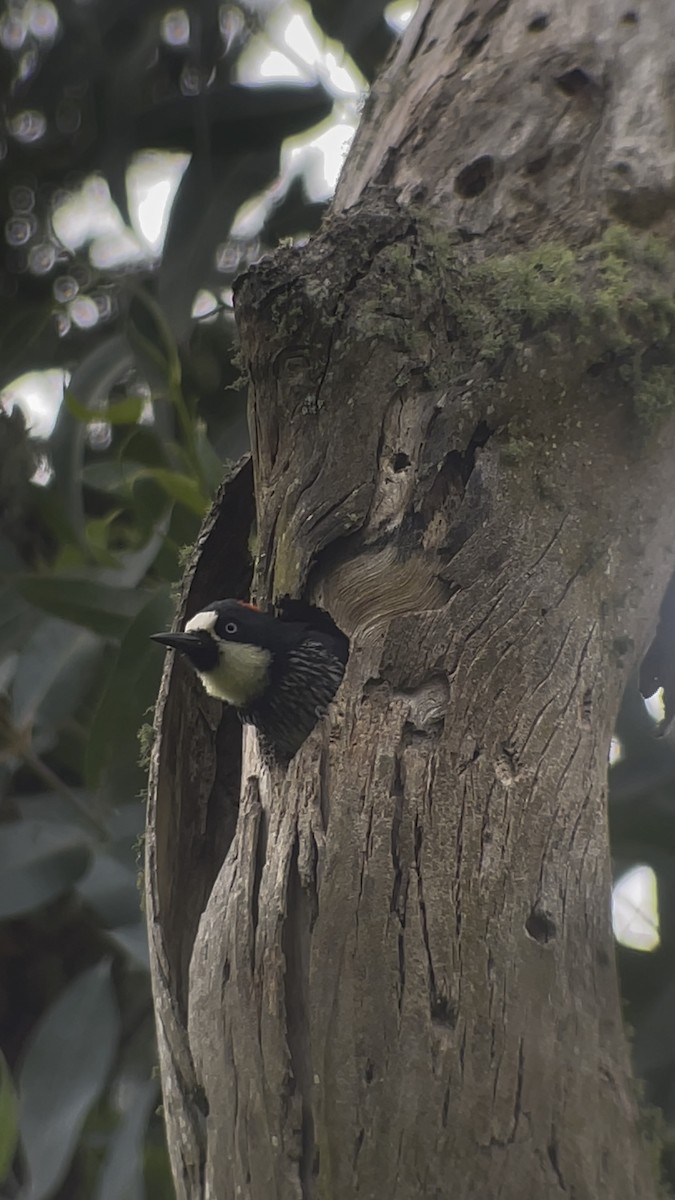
{"x":242,"y":376}
{"x":610,"y":295}
{"x":516,"y":449}
{"x":184,"y":555}
{"x":146,"y":739}
{"x":606,"y":290}
{"x":499,"y":302}
{"x":537,"y":286}
{"x":628,"y":298}
{"x":655,"y":253}
{"x":608,"y":299}
{"x":623,"y":244}
{"x":139,"y":855}
{"x":655,"y":396}
{"x":287,"y":310}
{"x":384,"y":315}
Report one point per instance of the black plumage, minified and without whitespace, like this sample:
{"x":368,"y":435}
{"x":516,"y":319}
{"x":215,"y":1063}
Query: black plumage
{"x":304,"y":678}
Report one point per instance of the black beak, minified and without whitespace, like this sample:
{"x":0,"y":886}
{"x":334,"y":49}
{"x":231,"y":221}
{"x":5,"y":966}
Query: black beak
{"x":198,"y":647}
{"x":184,"y":642}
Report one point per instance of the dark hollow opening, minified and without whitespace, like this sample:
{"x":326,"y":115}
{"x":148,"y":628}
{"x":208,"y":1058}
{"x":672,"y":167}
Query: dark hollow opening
{"x":540,"y":926}
{"x":317,"y":618}
{"x":574,"y":82}
{"x":474,"y":178}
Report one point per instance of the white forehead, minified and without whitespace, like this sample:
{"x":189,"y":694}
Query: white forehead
{"x":202,"y":620}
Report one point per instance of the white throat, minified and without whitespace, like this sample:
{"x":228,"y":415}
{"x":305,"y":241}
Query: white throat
{"x":241,"y":674}
{"x":242,"y":671}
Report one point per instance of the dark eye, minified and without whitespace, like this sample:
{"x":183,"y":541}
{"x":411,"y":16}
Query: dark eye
{"x":231,"y":627}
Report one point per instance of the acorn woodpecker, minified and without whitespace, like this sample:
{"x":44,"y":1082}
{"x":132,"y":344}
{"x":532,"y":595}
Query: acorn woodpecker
{"x":280,"y":675}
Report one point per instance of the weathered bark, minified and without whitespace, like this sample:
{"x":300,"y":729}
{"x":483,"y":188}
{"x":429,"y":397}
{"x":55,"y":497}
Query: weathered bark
{"x":192,"y":813}
{"x":393,"y":975}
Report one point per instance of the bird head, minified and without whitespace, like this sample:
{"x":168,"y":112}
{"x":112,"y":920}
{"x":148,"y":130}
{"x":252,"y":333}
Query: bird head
{"x":231,"y":645}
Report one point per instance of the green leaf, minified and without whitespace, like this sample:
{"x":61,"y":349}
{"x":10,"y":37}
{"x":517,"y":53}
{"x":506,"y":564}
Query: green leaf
{"x":10,"y":562}
{"x":122,"y":412}
{"x":130,"y":689}
{"x":121,"y":1176}
{"x":179,"y":487}
{"x":65,"y":1069}
{"x":141,"y":445}
{"x":9,"y":1124}
{"x":58,"y":510}
{"x":188,"y":248}
{"x":55,"y":668}
{"x":54,"y":809}
{"x":8,"y":665}
{"x":133,"y":564}
{"x":111,"y":891}
{"x":149,"y":500}
{"x":39,"y":861}
{"x":16,"y":619}
{"x":210,"y":465}
{"x":133,"y":940}
{"x":112,"y":475}
{"x":98,"y":532}
{"x":94,"y":376}
{"x":151,"y":337}
{"x":95,"y":606}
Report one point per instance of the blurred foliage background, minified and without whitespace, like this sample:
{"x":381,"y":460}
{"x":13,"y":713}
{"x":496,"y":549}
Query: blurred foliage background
{"x":148,"y":154}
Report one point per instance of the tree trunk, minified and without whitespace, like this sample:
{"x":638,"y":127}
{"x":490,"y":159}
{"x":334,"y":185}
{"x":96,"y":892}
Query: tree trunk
{"x":390,"y":973}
